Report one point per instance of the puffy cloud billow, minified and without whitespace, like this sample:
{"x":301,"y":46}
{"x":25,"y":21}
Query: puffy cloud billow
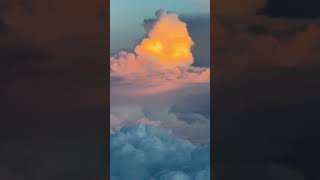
{"x":161,"y":62}
{"x":148,"y":153}
{"x":159,"y":109}
{"x":147,"y":84}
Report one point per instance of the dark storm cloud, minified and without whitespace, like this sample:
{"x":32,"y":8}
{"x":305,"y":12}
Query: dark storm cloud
{"x":292,"y":8}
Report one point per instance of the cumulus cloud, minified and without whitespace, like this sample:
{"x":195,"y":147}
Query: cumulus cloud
{"x":168,"y":43}
{"x":128,"y":115}
{"x":156,"y":129}
{"x":162,"y":61}
{"x":150,"y":79}
{"x":175,"y":110}
{"x":147,"y":84}
{"x":151,"y":153}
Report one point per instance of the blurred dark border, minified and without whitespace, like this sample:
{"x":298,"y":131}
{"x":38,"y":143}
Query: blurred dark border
{"x":54,"y":95}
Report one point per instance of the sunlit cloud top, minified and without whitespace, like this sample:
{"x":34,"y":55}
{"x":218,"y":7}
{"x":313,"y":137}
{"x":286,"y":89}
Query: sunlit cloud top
{"x":168,"y":42}
{"x":128,"y":13}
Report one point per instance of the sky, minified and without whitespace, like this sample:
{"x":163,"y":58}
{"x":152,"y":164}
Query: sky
{"x":194,"y":12}
{"x":124,"y":14}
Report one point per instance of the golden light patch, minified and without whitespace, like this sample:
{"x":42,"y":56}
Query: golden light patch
{"x":168,"y":44}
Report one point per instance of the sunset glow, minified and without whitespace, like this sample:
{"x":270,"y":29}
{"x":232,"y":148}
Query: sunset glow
{"x":168,"y":43}
{"x":159,"y":102}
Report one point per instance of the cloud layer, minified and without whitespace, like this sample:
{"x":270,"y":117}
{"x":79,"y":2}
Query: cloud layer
{"x":147,"y":87}
{"x":153,"y":154}
{"x":161,"y":62}
{"x":155,"y":92}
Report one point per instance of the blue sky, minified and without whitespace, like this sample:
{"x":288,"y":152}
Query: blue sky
{"x":131,"y":13}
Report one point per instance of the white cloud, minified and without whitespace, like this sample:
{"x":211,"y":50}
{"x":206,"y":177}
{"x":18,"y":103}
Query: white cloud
{"x":152,"y":153}
{"x":145,"y":86}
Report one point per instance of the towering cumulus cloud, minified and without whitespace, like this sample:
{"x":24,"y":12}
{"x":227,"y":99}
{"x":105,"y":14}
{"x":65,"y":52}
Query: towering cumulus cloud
{"x":168,"y":43}
{"x":162,"y":61}
{"x":159,"y":110}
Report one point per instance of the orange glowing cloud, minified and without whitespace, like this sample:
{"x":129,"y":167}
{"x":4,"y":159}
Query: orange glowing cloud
{"x":162,"y":62}
{"x":168,"y":43}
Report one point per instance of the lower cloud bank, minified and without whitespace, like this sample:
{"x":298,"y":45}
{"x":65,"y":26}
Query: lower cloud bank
{"x":148,"y":153}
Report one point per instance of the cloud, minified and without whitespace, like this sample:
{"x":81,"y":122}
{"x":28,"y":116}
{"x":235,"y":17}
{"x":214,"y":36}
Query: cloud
{"x":121,"y":116}
{"x":162,"y":60}
{"x":176,"y":110}
{"x":168,"y":43}
{"x":152,"y":153}
{"x":148,"y":86}
{"x":159,"y":113}
{"x":151,"y":80}
{"x":198,"y":111}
